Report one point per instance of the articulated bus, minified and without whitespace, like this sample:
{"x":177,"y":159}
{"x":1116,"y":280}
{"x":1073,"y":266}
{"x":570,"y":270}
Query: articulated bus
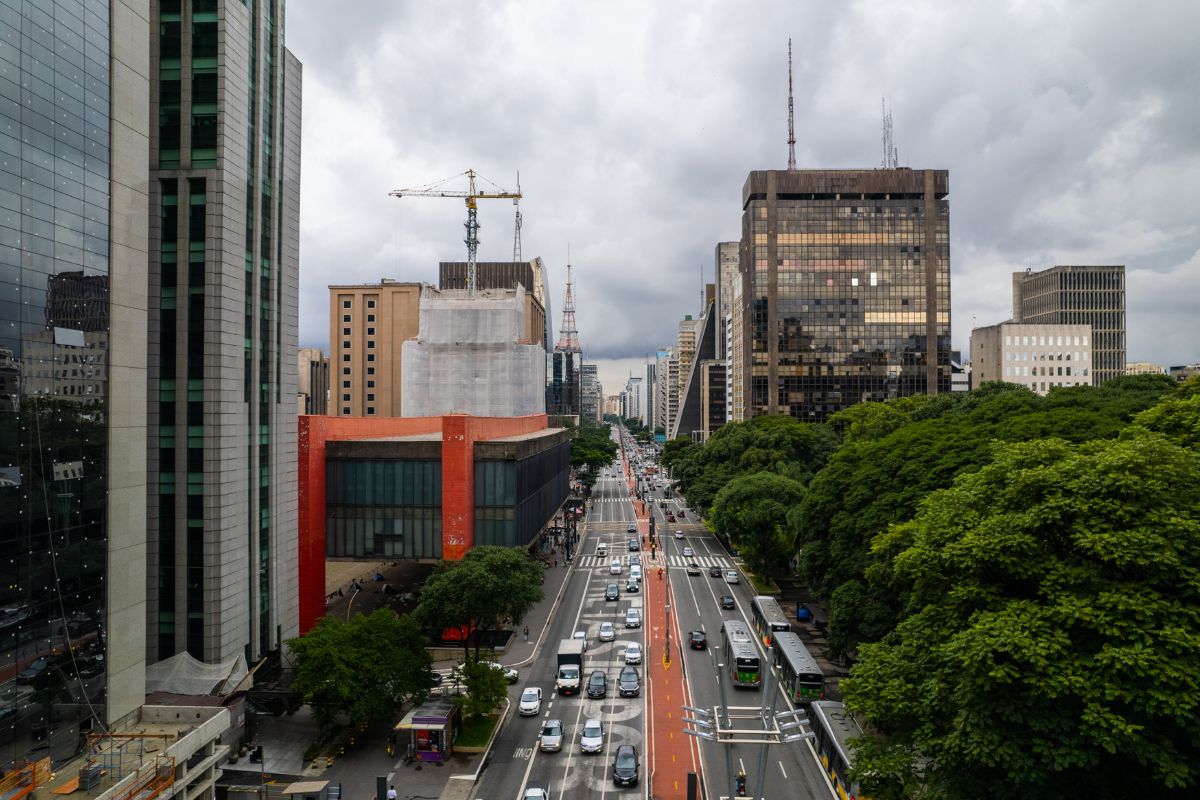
{"x":799,"y":673}
{"x":769,"y":618}
{"x":832,"y":728}
{"x":741,"y":656}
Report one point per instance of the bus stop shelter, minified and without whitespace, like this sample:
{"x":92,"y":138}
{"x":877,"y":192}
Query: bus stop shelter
{"x":433,"y":726}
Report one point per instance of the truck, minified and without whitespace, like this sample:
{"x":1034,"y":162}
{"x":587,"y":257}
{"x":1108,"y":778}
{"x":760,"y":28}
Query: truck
{"x":570,"y":666}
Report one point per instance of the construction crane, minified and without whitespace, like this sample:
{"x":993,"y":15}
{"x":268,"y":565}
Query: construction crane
{"x":470,"y":196}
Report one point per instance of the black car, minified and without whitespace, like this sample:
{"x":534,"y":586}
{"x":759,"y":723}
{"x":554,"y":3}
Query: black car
{"x":625,"y":766}
{"x":629,"y":684}
{"x":633,"y":545}
{"x":597,"y":684}
{"x":727,"y":601}
{"x":697,"y":640}
{"x":612,"y":592}
{"x":714,"y":572}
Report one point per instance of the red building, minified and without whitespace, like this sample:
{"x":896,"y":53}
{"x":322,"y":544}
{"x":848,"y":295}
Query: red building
{"x":422,"y":488}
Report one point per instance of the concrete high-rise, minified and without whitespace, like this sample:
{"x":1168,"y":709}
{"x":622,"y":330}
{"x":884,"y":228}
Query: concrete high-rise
{"x":223,"y":286}
{"x":1078,"y":295}
{"x":590,"y":399}
{"x":312,"y":381}
{"x":73,"y":196}
{"x":1041,"y":357}
{"x":725,"y":260}
{"x":845,"y":290}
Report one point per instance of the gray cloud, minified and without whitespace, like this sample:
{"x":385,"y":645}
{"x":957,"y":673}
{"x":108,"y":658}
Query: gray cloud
{"x":1068,"y":130}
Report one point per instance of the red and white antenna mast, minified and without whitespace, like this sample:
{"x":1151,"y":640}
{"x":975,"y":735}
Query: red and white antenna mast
{"x":568,"y":336}
{"x":791,"y":125}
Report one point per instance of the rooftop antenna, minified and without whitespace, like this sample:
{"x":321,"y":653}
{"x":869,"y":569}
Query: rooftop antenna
{"x":791,"y":127}
{"x":891,"y":159}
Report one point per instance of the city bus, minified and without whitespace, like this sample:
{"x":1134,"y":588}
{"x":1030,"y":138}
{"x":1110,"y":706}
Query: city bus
{"x":769,"y":618}
{"x":741,"y":656}
{"x":832,"y":729}
{"x":799,"y":674}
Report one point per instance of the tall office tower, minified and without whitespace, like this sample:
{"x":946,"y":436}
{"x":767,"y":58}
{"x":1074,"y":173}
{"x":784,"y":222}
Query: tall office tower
{"x":74,"y":80}
{"x":1073,"y":295}
{"x":563,"y":377}
{"x":711,"y":374}
{"x":368,"y":325}
{"x":666,"y":373}
{"x":726,"y":266}
{"x":312,"y":381}
{"x":633,"y":389}
{"x":651,"y":395}
{"x":685,"y":348}
{"x":590,"y":401}
{"x":846,"y":287}
{"x":224,"y":267}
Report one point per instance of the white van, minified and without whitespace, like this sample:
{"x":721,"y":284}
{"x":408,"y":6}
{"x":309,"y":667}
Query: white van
{"x":635,"y":571}
{"x":614,"y":567}
{"x":602,"y":549}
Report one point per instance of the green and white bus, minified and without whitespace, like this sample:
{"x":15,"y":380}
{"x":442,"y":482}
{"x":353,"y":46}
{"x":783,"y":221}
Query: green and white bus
{"x":741,"y":656}
{"x":769,"y":618}
{"x":799,"y":674}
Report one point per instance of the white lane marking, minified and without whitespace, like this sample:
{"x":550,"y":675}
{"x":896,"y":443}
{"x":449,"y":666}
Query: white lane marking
{"x":781,"y":769}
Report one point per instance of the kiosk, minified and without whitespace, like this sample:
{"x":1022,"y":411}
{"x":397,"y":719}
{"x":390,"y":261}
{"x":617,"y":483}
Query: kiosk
{"x":434,"y":725}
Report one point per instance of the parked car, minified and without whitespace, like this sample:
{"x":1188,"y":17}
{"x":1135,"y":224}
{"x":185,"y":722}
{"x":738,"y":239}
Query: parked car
{"x":511,"y":674}
{"x":625,"y":766}
{"x":628,"y":683}
{"x":633,"y":618}
{"x":591,"y":738}
{"x":551,"y":738}
{"x":727,"y":601}
{"x":612,"y":592}
{"x":597,"y":684}
{"x":607,"y":632}
{"x":693,"y":568}
{"x":697,"y":640}
{"x":531,"y":702}
{"x":633,"y":653}
{"x":731,"y":576}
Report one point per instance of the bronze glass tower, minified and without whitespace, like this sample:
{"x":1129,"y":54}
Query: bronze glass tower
{"x":845,"y":289}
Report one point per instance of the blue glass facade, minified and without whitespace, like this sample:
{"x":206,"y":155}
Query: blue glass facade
{"x":54,"y":324}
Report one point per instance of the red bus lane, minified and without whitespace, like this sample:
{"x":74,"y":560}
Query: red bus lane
{"x":671,"y":754}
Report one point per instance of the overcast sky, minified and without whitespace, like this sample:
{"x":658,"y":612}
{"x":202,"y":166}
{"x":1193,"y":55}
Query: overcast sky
{"x":1071,"y":132}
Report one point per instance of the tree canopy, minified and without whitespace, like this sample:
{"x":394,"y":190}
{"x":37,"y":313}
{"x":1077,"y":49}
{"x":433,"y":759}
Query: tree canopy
{"x":478,"y":591}
{"x":365,"y":667}
{"x":1052,"y":646}
{"x":752,"y":510}
{"x":592,"y":449}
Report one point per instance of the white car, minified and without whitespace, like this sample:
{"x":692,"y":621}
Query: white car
{"x":678,"y":534}
{"x":633,"y":618}
{"x":511,"y":674}
{"x":688,"y":552}
{"x":591,"y":738}
{"x":535,"y":793}
{"x":581,"y":636}
{"x":731,"y":576}
{"x":633,"y":653}
{"x":614,"y":567}
{"x":551,"y":738}
{"x":607,"y":632}
{"x":531,"y":702}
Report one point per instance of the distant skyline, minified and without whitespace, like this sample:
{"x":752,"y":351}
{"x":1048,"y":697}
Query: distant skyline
{"x":1068,"y":131}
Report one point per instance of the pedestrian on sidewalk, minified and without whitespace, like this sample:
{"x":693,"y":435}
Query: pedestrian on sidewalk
{"x":527,"y":633}
{"x":391,"y":793}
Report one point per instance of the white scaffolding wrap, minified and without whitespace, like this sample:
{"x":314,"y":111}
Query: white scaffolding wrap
{"x":470,"y":357}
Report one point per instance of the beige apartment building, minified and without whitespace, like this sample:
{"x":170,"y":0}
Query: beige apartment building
{"x":368,"y":326}
{"x":1041,"y":357}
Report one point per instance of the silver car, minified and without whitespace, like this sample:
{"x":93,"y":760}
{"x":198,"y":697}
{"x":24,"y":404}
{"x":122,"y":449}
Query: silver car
{"x":551,"y":738}
{"x":591,"y":738}
{"x":633,"y":618}
{"x":607,"y":632}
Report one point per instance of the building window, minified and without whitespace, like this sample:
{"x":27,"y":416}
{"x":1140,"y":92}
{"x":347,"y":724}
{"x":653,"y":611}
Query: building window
{"x":345,"y":384}
{"x":345,"y":356}
{"x":370,"y":304}
{"x":346,"y":345}
{"x":370,"y":331}
{"x":370,"y":317}
{"x":370,"y":398}
{"x":345,"y":370}
{"x":345,"y":331}
{"x":370,"y":410}
{"x":370,"y":384}
{"x":370,"y":356}
{"x":371,"y":344}
{"x":345,"y":409}
{"x":345,"y":304}
{"x":345,"y":317}
{"x":370,"y":370}
{"x":345,"y":398}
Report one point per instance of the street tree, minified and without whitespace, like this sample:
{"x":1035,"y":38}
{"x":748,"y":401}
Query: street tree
{"x":485,"y":687}
{"x":365,"y":667}
{"x":1052,"y":647}
{"x":752,"y":510}
{"x":476,"y":593}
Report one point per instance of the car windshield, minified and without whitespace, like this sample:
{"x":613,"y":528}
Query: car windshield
{"x":625,"y":760}
{"x":528,"y":694}
{"x":628,"y":674}
{"x":591,"y":730}
{"x":552,"y":729}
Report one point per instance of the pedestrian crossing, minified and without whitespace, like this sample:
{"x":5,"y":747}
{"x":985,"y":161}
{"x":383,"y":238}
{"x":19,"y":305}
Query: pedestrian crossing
{"x":590,"y":561}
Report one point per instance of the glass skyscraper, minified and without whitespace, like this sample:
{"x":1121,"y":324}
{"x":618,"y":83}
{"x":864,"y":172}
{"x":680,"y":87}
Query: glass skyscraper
{"x":845,"y":290}
{"x":73,"y":148}
{"x":223,"y":273}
